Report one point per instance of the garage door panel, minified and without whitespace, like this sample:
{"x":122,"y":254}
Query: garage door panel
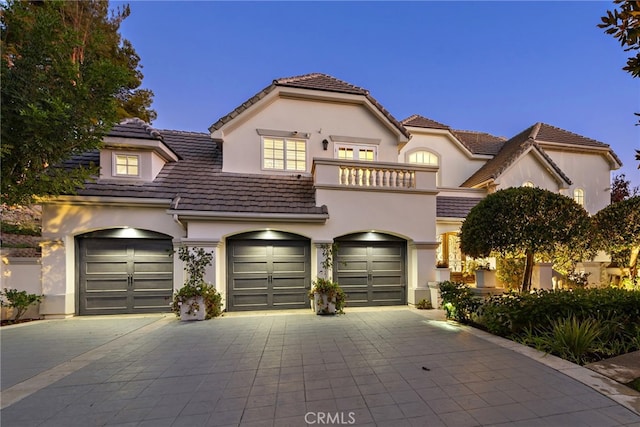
{"x":106,"y":302}
{"x":250,"y":283}
{"x":249,"y":267}
{"x":287,"y":283}
{"x":113,"y":270}
{"x":290,"y":267}
{"x":253,"y":301}
{"x":290,"y":300}
{"x":267,"y":274}
{"x":244,"y":249}
{"x":107,"y":284}
{"x":106,"y":267}
{"x":372,"y":273}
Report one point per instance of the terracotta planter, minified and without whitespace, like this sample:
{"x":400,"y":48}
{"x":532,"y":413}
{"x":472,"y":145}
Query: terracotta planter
{"x":323,"y":305}
{"x":200,"y":314}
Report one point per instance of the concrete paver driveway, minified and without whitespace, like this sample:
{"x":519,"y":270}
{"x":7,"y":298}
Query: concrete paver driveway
{"x":393,"y":367}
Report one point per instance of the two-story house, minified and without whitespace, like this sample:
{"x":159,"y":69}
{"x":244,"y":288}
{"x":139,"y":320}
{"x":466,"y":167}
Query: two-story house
{"x":308,"y":160}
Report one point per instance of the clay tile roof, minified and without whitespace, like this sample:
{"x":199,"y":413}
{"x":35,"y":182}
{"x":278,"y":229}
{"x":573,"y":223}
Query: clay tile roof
{"x":313,"y":81}
{"x":135,"y":128}
{"x":419,"y":121}
{"x":320,"y":81}
{"x":509,"y":153}
{"x":455,"y":207}
{"x":196,"y":182}
{"x":548,"y":133}
{"x":480,"y":142}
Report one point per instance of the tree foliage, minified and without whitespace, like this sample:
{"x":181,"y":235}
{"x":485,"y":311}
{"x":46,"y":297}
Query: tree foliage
{"x":618,"y":232}
{"x":621,"y":189}
{"x":624,"y":25}
{"x":67,"y":78}
{"x":525,"y":220}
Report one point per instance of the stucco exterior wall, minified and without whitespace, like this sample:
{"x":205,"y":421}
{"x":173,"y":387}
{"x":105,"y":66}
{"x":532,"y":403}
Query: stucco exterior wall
{"x":62,"y":222}
{"x":455,"y":165}
{"x":590,"y":172}
{"x":528,"y":168}
{"x":320,"y":119}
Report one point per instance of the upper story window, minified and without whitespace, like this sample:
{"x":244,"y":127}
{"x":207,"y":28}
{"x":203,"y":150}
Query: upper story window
{"x":284,"y":154}
{"x":578,"y":196}
{"x":356,"y":152}
{"x":423,"y":157}
{"x":528,"y":184}
{"x":126,"y":164}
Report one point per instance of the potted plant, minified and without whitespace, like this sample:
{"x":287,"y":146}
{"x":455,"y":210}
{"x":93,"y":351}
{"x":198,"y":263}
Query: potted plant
{"x":196,"y":299}
{"x":485,"y":276}
{"x":326,"y":295}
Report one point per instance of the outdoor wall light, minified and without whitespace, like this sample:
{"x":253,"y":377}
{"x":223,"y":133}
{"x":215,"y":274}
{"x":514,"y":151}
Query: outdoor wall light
{"x":325,"y":144}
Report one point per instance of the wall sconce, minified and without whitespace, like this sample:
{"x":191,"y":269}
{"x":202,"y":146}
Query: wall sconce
{"x":325,"y":144}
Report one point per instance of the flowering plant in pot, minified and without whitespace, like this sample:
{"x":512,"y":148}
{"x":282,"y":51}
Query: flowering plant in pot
{"x":327,"y":296}
{"x":196,"y":299}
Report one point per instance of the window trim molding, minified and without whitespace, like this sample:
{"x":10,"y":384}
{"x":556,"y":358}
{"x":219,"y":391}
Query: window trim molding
{"x":337,"y":146}
{"x":114,"y":164}
{"x":283,"y":134}
{"x":419,"y":149}
{"x":284,"y":159}
{"x":355,"y":140}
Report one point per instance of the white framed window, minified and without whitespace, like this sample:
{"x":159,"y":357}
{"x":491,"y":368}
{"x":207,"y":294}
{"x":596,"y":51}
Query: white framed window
{"x":528,"y":184}
{"x":363,"y":153}
{"x":423,"y":157}
{"x":578,"y":196}
{"x":284,"y":154}
{"x":126,"y":164}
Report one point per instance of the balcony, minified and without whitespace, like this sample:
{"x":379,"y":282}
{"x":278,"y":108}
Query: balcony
{"x":373,"y":176}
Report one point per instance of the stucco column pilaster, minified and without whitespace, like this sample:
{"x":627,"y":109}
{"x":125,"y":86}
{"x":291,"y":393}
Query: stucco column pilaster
{"x":58,"y":287}
{"x":214,"y":273}
{"x":318,"y":259}
{"x":422,"y":260}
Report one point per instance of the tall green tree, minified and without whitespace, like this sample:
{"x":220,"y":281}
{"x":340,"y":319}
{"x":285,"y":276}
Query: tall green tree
{"x":525,"y":220}
{"x":624,"y":25}
{"x":618,"y":232}
{"x":67,"y":78}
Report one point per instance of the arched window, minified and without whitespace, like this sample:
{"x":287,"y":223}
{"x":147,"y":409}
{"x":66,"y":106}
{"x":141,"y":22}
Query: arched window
{"x":578,"y":196}
{"x":423,"y":157}
{"x":528,"y":184}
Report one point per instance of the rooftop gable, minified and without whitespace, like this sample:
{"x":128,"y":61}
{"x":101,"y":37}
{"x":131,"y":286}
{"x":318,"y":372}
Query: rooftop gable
{"x":419,"y":121}
{"x":313,"y":81}
{"x":509,"y":153}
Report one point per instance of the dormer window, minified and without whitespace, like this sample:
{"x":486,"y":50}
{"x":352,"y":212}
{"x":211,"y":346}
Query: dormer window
{"x":126,"y":165}
{"x":284,"y":154}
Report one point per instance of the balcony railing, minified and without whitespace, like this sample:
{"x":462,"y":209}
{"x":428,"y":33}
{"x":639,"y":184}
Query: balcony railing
{"x":373,"y":175}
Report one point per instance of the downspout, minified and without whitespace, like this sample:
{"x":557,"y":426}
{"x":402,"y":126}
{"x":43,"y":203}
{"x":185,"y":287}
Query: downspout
{"x":174,"y":206}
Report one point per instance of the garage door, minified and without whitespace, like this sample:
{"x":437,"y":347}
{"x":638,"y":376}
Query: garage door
{"x":122,"y":276}
{"x":372,"y":273}
{"x":268,"y":274}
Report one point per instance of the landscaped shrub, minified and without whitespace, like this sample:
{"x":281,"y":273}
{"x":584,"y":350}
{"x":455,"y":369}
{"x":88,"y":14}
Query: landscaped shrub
{"x":18,"y":300}
{"x":458,"y":301}
{"x":561,"y":322}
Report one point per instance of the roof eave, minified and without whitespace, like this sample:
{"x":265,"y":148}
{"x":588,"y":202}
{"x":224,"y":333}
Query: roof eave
{"x":248,"y":216}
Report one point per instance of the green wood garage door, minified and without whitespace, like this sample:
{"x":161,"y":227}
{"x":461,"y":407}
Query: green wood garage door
{"x":372,"y":273}
{"x":123,"y":276}
{"x":267,"y":274}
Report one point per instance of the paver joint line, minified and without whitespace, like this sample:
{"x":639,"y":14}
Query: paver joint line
{"x":25,"y":388}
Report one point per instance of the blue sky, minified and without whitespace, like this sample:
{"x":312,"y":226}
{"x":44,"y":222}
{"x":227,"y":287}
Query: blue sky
{"x":496,"y":67}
